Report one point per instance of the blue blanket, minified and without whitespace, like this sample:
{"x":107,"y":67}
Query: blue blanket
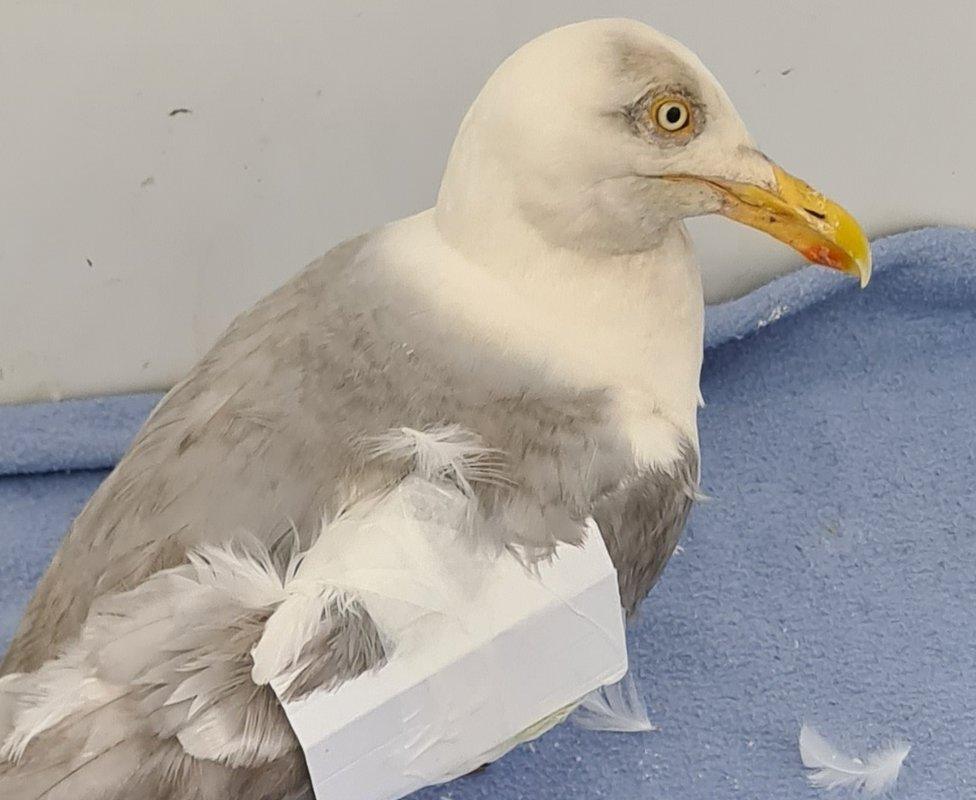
{"x":830,"y":578}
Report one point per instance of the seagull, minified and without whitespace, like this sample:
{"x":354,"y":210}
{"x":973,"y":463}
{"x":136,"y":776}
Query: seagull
{"x":535,"y":339}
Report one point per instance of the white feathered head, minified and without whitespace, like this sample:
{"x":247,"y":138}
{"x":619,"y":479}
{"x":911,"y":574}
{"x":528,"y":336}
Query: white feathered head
{"x":601,"y":134}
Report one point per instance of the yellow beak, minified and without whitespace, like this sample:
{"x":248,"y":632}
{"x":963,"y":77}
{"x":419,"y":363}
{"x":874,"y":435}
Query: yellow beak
{"x":797,"y":214}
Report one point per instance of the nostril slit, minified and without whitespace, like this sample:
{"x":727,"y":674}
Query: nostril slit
{"x":816,"y":214}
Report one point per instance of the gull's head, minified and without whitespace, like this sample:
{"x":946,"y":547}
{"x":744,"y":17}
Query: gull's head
{"x":601,"y":135}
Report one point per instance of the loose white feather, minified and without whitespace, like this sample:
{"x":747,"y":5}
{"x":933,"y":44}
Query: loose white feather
{"x":614,"y":708}
{"x":831,"y":769}
{"x":449,"y":452}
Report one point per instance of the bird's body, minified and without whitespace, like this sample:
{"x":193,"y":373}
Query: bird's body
{"x":362,"y":342}
{"x":298,"y":382}
{"x":564,"y":335}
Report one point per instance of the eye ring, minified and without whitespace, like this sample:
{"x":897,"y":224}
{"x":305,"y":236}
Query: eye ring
{"x":671,"y":114}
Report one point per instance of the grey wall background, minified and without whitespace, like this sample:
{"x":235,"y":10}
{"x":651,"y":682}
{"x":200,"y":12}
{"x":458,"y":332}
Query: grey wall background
{"x":129,"y":236}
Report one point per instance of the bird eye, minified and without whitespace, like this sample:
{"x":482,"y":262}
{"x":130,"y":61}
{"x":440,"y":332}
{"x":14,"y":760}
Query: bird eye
{"x":671,"y":114}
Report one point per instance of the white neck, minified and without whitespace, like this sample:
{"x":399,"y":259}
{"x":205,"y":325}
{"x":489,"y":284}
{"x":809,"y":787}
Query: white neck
{"x":630,"y":323}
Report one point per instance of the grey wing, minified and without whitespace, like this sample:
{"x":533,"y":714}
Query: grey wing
{"x":257,"y":438}
{"x":155,"y":697}
{"x":642,"y":520}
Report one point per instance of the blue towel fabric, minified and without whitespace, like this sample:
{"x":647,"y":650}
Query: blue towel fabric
{"x":830,"y":577}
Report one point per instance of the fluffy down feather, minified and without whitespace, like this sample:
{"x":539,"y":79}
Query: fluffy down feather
{"x":446,"y":452}
{"x":617,"y":708}
{"x":831,"y":769}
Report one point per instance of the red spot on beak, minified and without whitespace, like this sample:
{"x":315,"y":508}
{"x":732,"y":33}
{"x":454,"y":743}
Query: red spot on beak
{"x":822,"y":254}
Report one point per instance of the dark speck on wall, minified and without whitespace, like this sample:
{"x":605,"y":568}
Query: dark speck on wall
{"x":148,"y":181}
{"x":786,"y":71}
{"x":89,"y":261}
{"x":177,"y":111}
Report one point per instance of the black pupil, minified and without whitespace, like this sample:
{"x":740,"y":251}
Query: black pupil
{"x":673,"y":115}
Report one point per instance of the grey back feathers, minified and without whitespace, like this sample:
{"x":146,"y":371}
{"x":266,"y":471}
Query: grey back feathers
{"x":132,"y":666}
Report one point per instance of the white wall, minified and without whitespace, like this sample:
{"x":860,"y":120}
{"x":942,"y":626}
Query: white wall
{"x":313,"y":120}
